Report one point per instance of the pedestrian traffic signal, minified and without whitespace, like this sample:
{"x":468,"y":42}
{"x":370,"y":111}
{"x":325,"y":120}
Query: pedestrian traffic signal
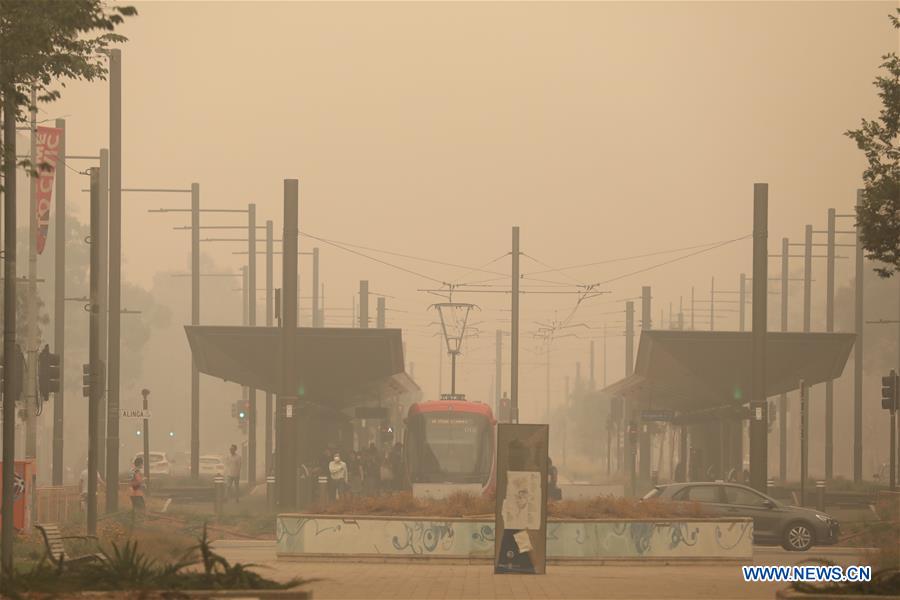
{"x":241,"y":411}
{"x":48,"y":373}
{"x":890,"y":388}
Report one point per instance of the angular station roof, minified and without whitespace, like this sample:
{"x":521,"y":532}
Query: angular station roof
{"x":333,"y":364}
{"x":695,"y":370}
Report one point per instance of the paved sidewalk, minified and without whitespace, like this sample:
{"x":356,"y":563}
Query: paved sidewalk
{"x":347,"y":580}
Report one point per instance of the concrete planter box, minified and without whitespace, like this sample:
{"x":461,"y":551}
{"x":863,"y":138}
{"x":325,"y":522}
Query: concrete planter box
{"x":304,"y":536}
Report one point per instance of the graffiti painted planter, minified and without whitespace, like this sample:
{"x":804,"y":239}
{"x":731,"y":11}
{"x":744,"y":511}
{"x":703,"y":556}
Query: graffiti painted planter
{"x":320,"y":536}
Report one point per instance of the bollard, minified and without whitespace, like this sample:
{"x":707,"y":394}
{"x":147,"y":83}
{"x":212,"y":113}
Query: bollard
{"x":820,"y":496}
{"x":770,"y":483}
{"x":323,"y":489}
{"x":270,"y":492}
{"x":219,"y":490}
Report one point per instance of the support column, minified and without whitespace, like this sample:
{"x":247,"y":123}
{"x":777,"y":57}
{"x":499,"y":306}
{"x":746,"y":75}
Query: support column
{"x":288,"y":405}
{"x":364,"y":304}
{"x":316,"y":318}
{"x":379,"y":313}
{"x":498,"y":372}
{"x":758,"y":404}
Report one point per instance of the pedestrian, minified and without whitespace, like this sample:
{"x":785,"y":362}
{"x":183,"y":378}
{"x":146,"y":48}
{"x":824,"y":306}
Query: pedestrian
{"x":371,"y":471}
{"x":553,"y":491}
{"x":339,"y":476}
{"x":82,"y":486}
{"x":233,"y":473}
{"x":137,"y":487}
{"x":397,"y":465}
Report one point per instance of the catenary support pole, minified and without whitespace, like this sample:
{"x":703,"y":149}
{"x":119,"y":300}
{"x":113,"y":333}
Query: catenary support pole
{"x":269,"y":322}
{"x":858,"y":353}
{"x":644,"y":451}
{"x":758,"y":404}
{"x":115,"y":279}
{"x":251,"y":321}
{"x":195,"y":320}
{"x":94,"y":353}
{"x":59,"y":307}
{"x":363,"y":304}
{"x":783,"y":399}
{"x":829,"y":327}
{"x":514,"y":328}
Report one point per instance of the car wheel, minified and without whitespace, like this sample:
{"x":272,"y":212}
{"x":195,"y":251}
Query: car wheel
{"x":798,"y":537}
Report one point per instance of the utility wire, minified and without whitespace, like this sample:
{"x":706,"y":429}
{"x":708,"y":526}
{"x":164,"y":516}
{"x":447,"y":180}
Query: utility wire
{"x":637,"y":256}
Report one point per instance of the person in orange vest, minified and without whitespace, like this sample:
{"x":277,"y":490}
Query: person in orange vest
{"x":136,"y":490}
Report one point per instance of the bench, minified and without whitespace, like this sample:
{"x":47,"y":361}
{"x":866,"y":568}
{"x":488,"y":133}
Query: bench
{"x":56,"y":550}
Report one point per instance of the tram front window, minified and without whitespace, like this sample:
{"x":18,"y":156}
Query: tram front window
{"x":452,"y":448}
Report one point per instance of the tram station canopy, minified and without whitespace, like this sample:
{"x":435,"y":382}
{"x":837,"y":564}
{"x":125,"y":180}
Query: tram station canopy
{"x":697,"y":370}
{"x":332,"y":364}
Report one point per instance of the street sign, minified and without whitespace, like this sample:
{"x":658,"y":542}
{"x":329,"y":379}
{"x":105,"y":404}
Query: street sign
{"x":134,"y":413}
{"x":657,"y":415}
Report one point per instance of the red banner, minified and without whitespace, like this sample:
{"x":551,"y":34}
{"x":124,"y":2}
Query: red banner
{"x":47,"y":149}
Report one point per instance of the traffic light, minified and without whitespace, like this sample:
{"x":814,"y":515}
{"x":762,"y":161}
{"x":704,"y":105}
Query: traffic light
{"x":890,"y":388}
{"x":86,"y":380}
{"x":241,"y":410}
{"x":48,"y":372}
{"x":503,"y":411}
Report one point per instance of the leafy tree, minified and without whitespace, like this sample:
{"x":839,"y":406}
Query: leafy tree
{"x":45,"y":42}
{"x":878,"y":216}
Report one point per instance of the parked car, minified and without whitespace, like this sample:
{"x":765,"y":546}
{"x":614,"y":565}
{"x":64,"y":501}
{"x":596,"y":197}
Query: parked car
{"x":793,"y":527}
{"x":159,"y":464}
{"x":211,"y":465}
{"x":181,"y":464}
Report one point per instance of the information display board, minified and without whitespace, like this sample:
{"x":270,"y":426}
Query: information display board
{"x":520,"y":529}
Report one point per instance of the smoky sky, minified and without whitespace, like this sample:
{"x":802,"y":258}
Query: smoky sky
{"x":604,"y":130}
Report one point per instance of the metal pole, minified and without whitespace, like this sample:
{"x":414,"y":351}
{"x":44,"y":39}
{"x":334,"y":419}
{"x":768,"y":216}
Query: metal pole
{"x":59,"y":306}
{"x":829,"y":327}
{"x":31,"y":341}
{"x":804,"y":439}
{"x":644,"y":446}
{"x":758,"y":405}
{"x":251,"y":318}
{"x":10,"y":350}
{"x":286,"y":437}
{"x":145,"y":433}
{"x":363,"y":304}
{"x":712,"y":304}
{"x":742,"y":303}
{"x":783,"y":399}
{"x":103,"y":304}
{"x":565,"y":420}
{"x":514,"y":338}
{"x":498,"y":371}
{"x":807,"y":278}
{"x":94,"y":354}
{"x":547,"y":410}
{"x":858,"y":354}
{"x":604,"y":355}
{"x":269,"y":323}
{"x":114,"y":332}
{"x":629,"y":338}
{"x":379,"y":313}
{"x":593,"y":381}
{"x":195,"y":320}
{"x":453,"y":373}
{"x":316,"y":321}
{"x":692,"y":308}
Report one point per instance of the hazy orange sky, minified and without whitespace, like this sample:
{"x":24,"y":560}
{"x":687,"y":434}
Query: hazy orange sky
{"x":603,"y":130}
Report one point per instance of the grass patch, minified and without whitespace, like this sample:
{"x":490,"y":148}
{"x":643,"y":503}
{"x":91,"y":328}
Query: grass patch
{"x":466,"y":505}
{"x":126,"y":567}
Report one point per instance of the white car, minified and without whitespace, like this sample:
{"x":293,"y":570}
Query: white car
{"x":159,"y":464}
{"x":211,"y":465}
